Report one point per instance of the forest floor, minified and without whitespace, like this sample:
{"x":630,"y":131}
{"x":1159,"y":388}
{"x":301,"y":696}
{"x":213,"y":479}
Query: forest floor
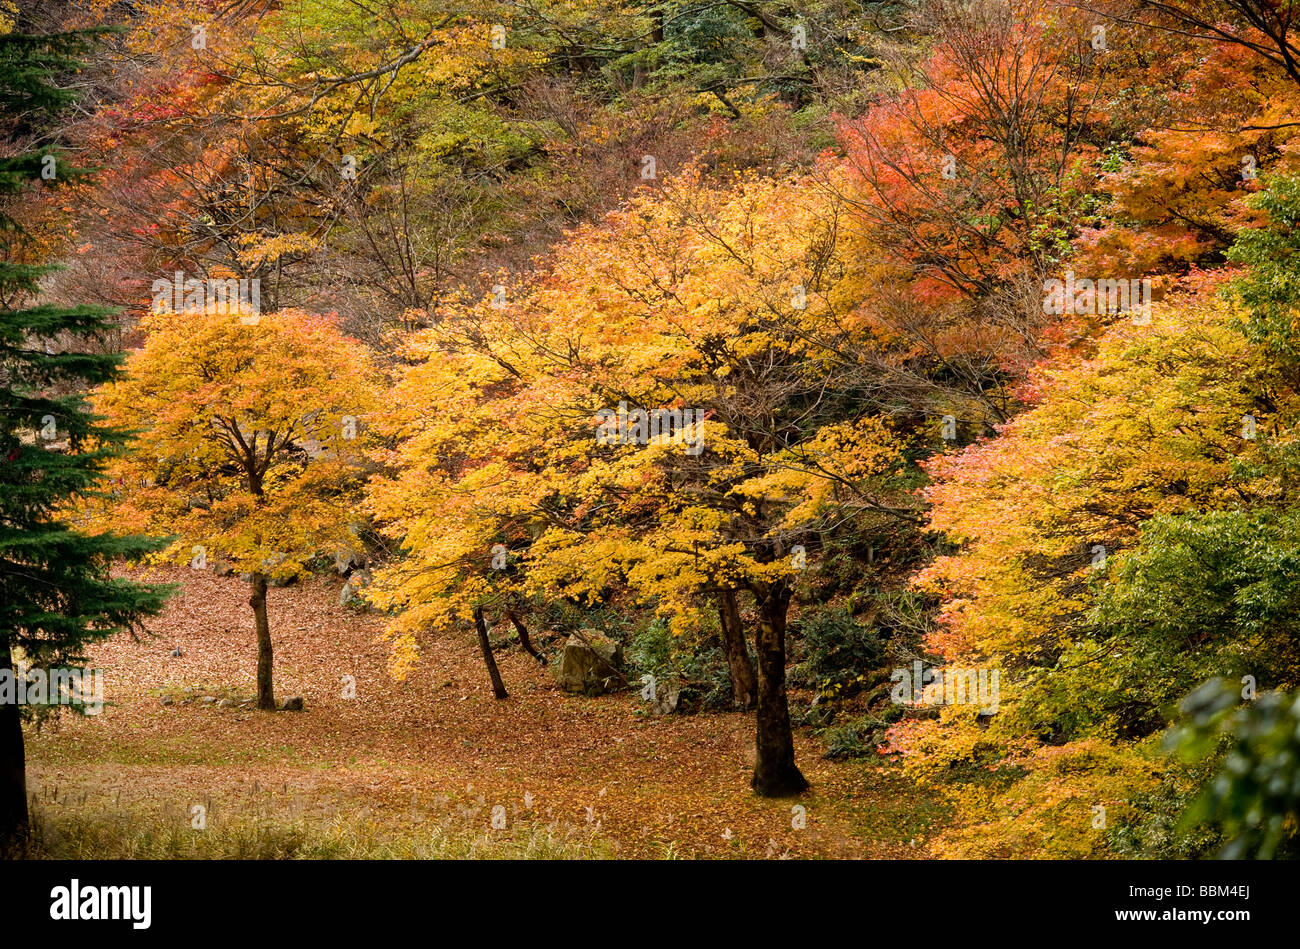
{"x":585,"y":776}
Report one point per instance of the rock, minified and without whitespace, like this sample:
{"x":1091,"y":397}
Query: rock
{"x":226,"y":703}
{"x":294,"y":704}
{"x":592,"y":664}
{"x":666,"y":699}
{"x":346,"y":561}
{"x":348,"y":595}
{"x":208,"y":699}
{"x":168,"y":700}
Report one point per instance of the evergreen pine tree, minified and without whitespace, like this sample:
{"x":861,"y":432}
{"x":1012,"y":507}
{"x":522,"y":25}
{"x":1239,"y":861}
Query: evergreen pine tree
{"x":56,"y":591}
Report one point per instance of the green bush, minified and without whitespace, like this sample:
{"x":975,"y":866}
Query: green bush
{"x":836,"y":650}
{"x":1252,"y":795}
{"x":697,"y":667}
{"x":858,"y":737}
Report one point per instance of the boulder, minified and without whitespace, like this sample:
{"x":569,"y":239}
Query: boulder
{"x":348,"y":595}
{"x":667,"y":697}
{"x":346,"y":561}
{"x":592,"y":664}
{"x":664,"y":697}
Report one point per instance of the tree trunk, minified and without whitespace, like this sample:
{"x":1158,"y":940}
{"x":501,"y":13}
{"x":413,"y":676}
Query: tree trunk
{"x":265,"y":655}
{"x":775,"y":773}
{"x":480,"y":626}
{"x":524,"y":639}
{"x":13,"y":772}
{"x":656,"y":36}
{"x":743,"y":687}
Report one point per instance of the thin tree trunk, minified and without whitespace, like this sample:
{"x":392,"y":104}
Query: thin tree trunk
{"x":656,"y":36}
{"x":744,"y":688}
{"x":480,"y":626}
{"x":265,"y":654}
{"x":524,"y":639}
{"x":13,"y":772}
{"x":775,"y":773}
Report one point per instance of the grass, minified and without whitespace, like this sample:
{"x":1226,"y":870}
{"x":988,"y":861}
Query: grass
{"x":75,"y":834}
{"x":898,"y":810}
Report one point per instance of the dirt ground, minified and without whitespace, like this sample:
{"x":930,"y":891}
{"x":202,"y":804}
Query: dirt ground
{"x":650,"y":786}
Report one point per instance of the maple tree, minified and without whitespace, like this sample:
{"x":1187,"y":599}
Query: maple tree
{"x":689,"y":310}
{"x":1179,"y":195}
{"x":729,"y":326}
{"x":1266,"y":28}
{"x":973,"y":172}
{"x":249,"y":448}
{"x":1081,"y":484}
{"x":459,"y":500}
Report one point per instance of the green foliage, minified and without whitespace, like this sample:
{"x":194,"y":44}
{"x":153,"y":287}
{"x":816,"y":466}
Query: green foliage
{"x":1202,"y":595}
{"x":1255,"y":796}
{"x":859,"y":736}
{"x":1271,"y":287}
{"x":1154,"y":828}
{"x":563,"y":615}
{"x":697,"y":667}
{"x":57,"y":592}
{"x":836,"y":649}
{"x":31,"y":67}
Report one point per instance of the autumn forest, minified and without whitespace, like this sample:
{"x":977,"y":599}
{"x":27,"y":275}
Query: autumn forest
{"x":650,"y":428}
